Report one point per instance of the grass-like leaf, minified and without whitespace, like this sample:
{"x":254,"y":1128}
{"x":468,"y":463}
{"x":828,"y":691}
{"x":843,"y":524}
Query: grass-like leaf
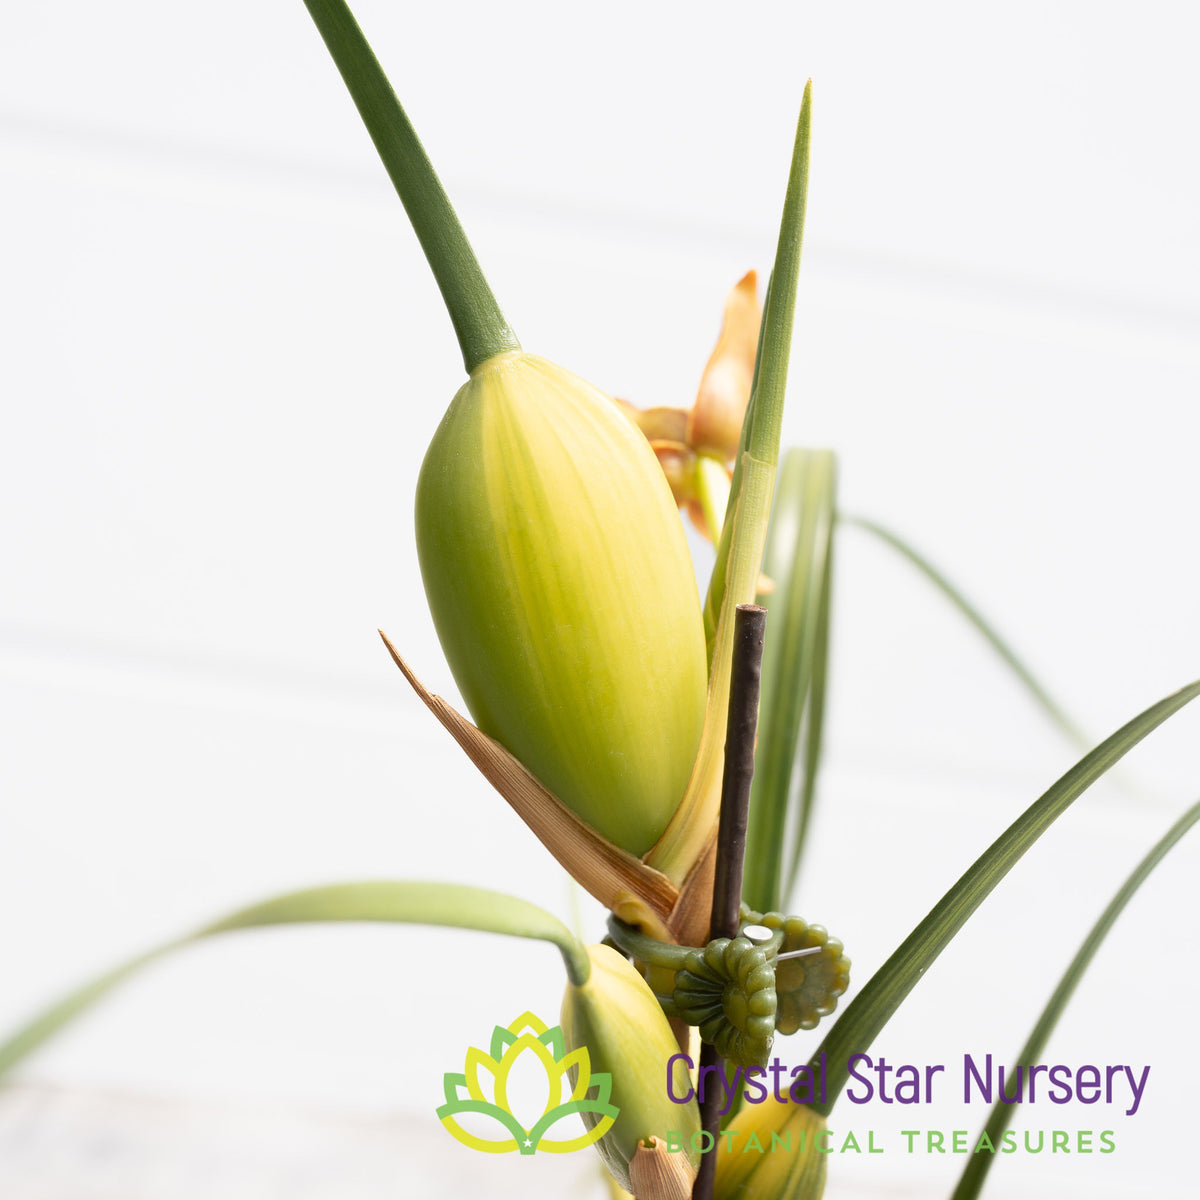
{"x":448,"y":904}
{"x":478,"y":322}
{"x":740,"y":547}
{"x":972,"y":1180}
{"x":886,"y":990}
{"x":743,"y":535}
{"x":1008,"y":655}
{"x":798,"y":562}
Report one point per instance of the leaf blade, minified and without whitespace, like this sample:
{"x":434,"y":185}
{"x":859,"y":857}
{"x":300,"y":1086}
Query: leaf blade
{"x":740,"y":548}
{"x":798,"y":558}
{"x":971,"y":1181}
{"x":389,"y":901}
{"x":867,"y":1014}
{"x":1024,"y":673}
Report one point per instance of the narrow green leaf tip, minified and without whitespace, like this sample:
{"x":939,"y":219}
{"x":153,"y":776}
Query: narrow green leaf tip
{"x":739,"y":548}
{"x":770,"y":385}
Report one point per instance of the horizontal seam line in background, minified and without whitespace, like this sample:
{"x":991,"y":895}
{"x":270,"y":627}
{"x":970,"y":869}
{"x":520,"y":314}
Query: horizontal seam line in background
{"x":511,"y":205}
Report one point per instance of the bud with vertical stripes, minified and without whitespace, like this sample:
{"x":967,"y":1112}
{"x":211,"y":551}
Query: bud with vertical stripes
{"x":779,"y":1152}
{"x":553,"y":560}
{"x":617,"y":1017}
{"x":563,"y":592}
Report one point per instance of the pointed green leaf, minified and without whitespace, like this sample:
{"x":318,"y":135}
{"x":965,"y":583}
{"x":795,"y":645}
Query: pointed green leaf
{"x":1008,"y":655}
{"x":791,"y":713}
{"x":971,"y":1182}
{"x":740,"y":546}
{"x":814,"y":729}
{"x":715,"y":597}
{"x":885,"y":991}
{"x":739,"y":551}
{"x":448,"y":904}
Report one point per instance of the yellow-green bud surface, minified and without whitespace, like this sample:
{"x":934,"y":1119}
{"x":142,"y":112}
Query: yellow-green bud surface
{"x":752,"y":1166}
{"x":615,"y":1015}
{"x":563,"y":593}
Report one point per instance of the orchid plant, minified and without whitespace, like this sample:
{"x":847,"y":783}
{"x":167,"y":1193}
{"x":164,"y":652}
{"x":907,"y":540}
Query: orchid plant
{"x":598,"y":686}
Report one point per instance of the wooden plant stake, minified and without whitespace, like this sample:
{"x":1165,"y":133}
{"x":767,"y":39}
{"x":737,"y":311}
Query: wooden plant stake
{"x":748,"y":632}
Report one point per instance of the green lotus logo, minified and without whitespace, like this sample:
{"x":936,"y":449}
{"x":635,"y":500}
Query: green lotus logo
{"x":537,"y":1055}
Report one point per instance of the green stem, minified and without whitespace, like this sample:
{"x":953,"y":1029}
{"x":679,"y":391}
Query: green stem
{"x":646,"y":949}
{"x":479,"y":324}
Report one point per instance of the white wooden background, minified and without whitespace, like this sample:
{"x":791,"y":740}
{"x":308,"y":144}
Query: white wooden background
{"x":223,"y":357}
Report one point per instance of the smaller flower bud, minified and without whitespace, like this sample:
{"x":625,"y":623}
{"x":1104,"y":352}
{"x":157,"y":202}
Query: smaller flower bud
{"x":616,"y":1016}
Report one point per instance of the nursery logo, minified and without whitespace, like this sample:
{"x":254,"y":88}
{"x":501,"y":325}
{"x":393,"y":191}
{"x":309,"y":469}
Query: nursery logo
{"x":537,"y":1056}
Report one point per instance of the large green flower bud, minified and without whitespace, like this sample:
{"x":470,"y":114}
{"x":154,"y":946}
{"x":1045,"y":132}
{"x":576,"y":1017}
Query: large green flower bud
{"x":563,"y":593}
{"x":615,"y":1015}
